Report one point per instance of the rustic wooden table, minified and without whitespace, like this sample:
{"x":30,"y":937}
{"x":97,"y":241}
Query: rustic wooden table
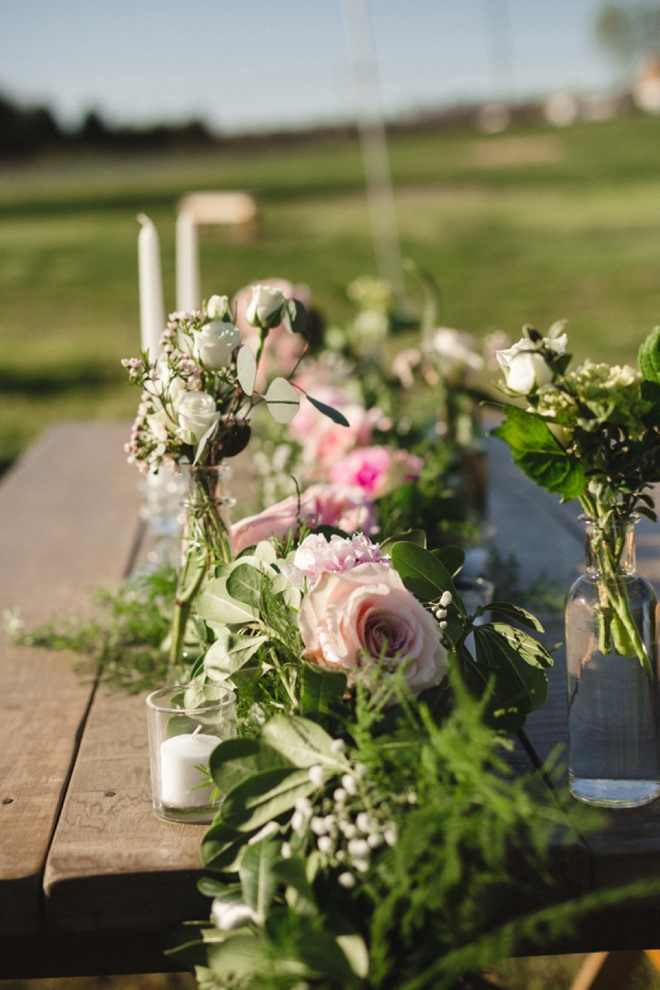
{"x":91,"y":881}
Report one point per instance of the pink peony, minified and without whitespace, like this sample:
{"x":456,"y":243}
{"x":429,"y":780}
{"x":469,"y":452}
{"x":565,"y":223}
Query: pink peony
{"x":321,"y":505}
{"x":365,"y":618}
{"x":316,"y":554}
{"x":377,"y":470}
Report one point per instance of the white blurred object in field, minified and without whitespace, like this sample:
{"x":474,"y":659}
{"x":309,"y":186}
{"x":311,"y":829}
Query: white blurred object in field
{"x":493,"y":118}
{"x":152,"y":311}
{"x":646,"y":88}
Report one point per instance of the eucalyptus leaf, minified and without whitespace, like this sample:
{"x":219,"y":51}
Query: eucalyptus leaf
{"x":265,"y":796}
{"x":246,"y":369}
{"x":282,"y":400}
{"x":303,"y":742}
{"x":214,"y":888}
{"x":355,"y":950}
{"x":222,"y":848}
{"x":244,"y":585}
{"x":258,"y":882}
{"x":216,"y":605}
{"x":322,"y":954}
{"x":333,"y":414}
{"x":236,"y":955}
{"x":229,"y":653}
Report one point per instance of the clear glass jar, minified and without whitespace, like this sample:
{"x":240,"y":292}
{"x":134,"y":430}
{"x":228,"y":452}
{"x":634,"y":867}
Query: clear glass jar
{"x":613,"y":709}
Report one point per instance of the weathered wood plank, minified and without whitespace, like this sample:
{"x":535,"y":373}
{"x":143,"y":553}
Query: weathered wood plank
{"x":113,"y":862}
{"x":67,"y":514}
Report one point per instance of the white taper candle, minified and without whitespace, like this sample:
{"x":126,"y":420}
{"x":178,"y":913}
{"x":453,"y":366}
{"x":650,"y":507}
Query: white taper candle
{"x":152,"y":310}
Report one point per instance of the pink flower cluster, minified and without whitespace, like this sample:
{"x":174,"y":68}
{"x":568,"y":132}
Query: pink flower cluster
{"x":377,"y":470}
{"x":316,"y":555}
{"x":321,"y":505}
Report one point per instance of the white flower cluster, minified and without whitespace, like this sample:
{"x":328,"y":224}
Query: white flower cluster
{"x":440,"y":610}
{"x":344,"y":833}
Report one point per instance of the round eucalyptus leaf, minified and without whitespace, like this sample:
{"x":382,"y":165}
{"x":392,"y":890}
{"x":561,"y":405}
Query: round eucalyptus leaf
{"x":282,"y":400}
{"x":246,"y":369}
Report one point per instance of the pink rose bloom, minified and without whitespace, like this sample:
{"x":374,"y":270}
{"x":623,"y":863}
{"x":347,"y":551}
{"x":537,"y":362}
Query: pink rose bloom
{"x":377,"y":470}
{"x":316,"y":554}
{"x":321,"y":505}
{"x":350,"y":620}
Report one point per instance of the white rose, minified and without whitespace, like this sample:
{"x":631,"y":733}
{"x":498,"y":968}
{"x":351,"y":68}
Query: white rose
{"x":265,"y":307}
{"x":524,"y":367}
{"x":196,"y":413}
{"x":215,"y":344}
{"x":217,"y":307}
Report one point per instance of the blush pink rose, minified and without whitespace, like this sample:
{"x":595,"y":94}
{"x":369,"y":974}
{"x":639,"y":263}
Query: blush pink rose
{"x":321,"y":505}
{"x":377,"y":470}
{"x":365,"y":618}
{"x":324,"y":442}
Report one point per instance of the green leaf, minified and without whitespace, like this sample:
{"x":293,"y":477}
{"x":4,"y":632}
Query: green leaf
{"x":528,"y":648}
{"x":501,"y":712}
{"x":296,"y":316}
{"x":236,"y":759}
{"x":321,"y":690}
{"x":539,"y":454}
{"x":303,"y":742}
{"x":229,"y":653}
{"x":322,"y":954}
{"x":651,"y":393}
{"x":453,"y":558}
{"x":258,"y":882}
{"x":649,"y":356}
{"x":282,"y":400}
{"x":244,"y":585}
{"x":216,"y":605}
{"x":246,"y":369}
{"x":417,"y":536}
{"x":214,"y":888}
{"x":333,"y":414}
{"x":423,"y":573}
{"x":519,"y":684}
{"x":355,"y":950}
{"x":237,"y":955}
{"x":292,"y":872}
{"x":265,"y":796}
{"x":222,"y":848}
{"x":517,"y":613}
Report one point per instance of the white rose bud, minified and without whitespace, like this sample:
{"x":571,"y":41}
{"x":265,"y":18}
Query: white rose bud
{"x":265,"y":308}
{"x":217,"y":307}
{"x":524,"y":367}
{"x":196,"y":413}
{"x":215,"y":343}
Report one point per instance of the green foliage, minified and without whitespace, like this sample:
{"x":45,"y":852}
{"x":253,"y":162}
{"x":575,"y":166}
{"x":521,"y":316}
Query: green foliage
{"x":536,"y":451}
{"x":125,"y":646}
{"x":461,"y":880}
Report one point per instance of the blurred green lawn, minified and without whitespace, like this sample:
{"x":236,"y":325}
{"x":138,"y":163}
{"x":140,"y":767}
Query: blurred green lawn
{"x":528,"y":226}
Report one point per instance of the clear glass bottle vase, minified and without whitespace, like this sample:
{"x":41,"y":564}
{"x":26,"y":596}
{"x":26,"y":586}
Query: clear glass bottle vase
{"x":207,"y":541}
{"x":613,"y":700}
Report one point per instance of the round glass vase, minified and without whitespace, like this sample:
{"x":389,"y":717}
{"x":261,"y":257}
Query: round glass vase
{"x":206,"y":542}
{"x":612,"y":674}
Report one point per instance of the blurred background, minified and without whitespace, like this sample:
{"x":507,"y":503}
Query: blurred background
{"x":524,"y":150}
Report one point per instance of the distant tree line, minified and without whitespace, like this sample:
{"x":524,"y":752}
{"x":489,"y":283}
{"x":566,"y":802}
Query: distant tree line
{"x":27,"y":131}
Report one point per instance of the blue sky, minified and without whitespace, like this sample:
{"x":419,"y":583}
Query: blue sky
{"x":243,"y":64}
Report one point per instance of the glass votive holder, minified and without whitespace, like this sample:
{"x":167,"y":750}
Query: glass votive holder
{"x":181,"y":741}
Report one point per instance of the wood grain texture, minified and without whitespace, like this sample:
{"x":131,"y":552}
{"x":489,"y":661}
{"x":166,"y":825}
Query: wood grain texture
{"x":67,"y":513}
{"x":113,"y":862}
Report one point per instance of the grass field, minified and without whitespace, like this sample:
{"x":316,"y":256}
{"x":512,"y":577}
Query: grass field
{"x":527,"y":226}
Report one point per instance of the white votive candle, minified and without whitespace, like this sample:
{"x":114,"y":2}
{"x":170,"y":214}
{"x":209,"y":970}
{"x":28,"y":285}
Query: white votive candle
{"x":179,"y":758}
